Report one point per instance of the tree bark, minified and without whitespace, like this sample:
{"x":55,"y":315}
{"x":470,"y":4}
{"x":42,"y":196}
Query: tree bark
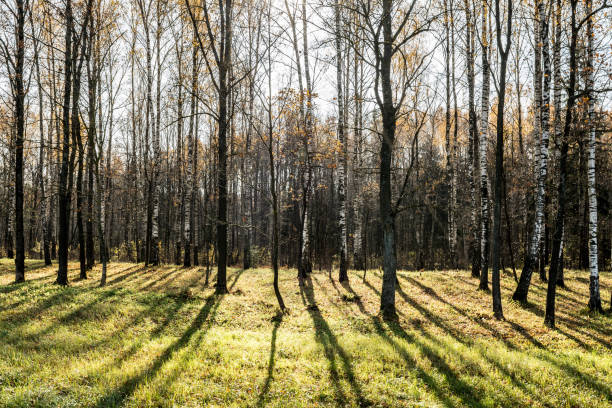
{"x":472,"y":141}
{"x":594,"y":296}
{"x":543,"y":114}
{"x":342,"y":177}
{"x":484,"y":130}
{"x":499,"y":154}
{"x":19,"y":94}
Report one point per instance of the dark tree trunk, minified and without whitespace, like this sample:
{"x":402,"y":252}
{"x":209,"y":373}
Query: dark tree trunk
{"x":63,"y":190}
{"x":223,"y":93}
{"x":499,"y":156}
{"x":19,"y":138}
{"x":549,"y":318}
{"x":387,"y":218}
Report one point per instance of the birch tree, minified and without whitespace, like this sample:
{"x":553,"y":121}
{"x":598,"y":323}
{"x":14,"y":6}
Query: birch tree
{"x":484,"y":130}
{"x":522,"y":289}
{"x":342,"y":162}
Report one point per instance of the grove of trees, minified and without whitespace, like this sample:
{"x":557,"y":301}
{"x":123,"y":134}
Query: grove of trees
{"x":317,"y":135}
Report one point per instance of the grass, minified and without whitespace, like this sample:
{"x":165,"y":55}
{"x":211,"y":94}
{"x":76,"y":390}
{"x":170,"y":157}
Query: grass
{"x":160,"y":338}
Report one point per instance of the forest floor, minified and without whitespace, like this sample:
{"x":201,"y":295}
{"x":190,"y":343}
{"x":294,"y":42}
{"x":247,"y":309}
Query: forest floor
{"x":158,"y":337}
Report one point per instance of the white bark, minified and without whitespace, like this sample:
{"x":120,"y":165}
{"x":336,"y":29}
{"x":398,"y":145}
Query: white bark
{"x":342,"y":141}
{"x":595,"y":300}
{"x":544,"y":115}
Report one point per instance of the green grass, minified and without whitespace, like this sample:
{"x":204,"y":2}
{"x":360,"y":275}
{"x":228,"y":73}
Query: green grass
{"x":160,"y":338}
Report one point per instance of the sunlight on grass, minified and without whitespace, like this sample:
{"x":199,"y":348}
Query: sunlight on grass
{"x":158,"y":337}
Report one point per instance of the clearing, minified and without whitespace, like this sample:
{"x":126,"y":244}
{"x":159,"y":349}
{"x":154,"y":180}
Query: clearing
{"x":158,"y":337}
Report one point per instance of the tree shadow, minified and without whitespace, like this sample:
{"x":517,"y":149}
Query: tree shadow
{"x":458,"y":387}
{"x":124,"y":274}
{"x":271,"y":360}
{"x":331,"y":348}
{"x":431,"y":292}
{"x":121,"y":393}
{"x":542,"y":352}
{"x":237,"y":276}
{"x":159,"y":282}
{"x":356,"y":298}
{"x":72,"y":317}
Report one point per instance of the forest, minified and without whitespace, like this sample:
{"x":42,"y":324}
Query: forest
{"x":305,"y":203}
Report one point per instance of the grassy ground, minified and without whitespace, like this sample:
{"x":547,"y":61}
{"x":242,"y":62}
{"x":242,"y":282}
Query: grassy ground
{"x":159,"y":337}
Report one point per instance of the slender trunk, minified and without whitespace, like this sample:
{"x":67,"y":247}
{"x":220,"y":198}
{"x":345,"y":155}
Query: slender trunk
{"x":549,"y":318}
{"x":155,"y":125}
{"x":484,"y":130}
{"x":63,"y":190}
{"x":594,"y":296}
{"x":224,"y":65}
{"x":499,"y":155}
{"x":343,"y":275}
{"x":188,"y":237}
{"x":19,"y":93}
{"x":101,"y":204}
{"x":472,"y":141}
{"x":305,"y":262}
{"x":44,"y":199}
{"x":557,"y":110}
{"x":387,"y":218}
{"x":543,"y":114}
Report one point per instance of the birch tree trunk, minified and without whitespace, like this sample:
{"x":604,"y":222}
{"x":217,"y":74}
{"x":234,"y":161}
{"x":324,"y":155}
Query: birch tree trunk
{"x":472,"y":141}
{"x":305,"y":264}
{"x":101,"y":204}
{"x":558,"y":85}
{"x":594,"y":296}
{"x":453,"y":163}
{"x":188,"y":237}
{"x":549,"y":318}
{"x":92,"y":80}
{"x":42,"y":177}
{"x":343,"y":275}
{"x":447,"y":129}
{"x":358,"y":247}
{"x":484,"y":130}
{"x":155,"y":123}
{"x":179,"y":226}
{"x":530,"y":262}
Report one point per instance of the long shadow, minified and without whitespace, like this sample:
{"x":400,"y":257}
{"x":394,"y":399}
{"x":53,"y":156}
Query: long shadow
{"x":122,"y":356}
{"x":585,"y":378}
{"x":270,"y":376}
{"x":62,"y":295}
{"x":12,"y":286}
{"x":195,"y":340}
{"x":121,"y":393}
{"x":70,"y":317}
{"x":328,"y":340}
{"x":125,"y":273}
{"x":339,"y":306}
{"x":356,"y":298}
{"x":443,"y":326}
{"x":458,"y":387}
{"x":237,"y":276}
{"x":574,"y":322}
{"x":159,"y":279}
{"x":28,"y":267}
{"x":431,"y":292}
